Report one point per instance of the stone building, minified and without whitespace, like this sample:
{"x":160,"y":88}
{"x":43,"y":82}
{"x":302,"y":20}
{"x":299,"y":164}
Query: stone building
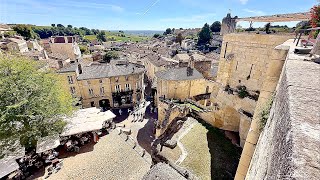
{"x":108,"y":85}
{"x":65,"y":45}
{"x":14,"y":44}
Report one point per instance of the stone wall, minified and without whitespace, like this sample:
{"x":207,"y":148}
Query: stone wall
{"x":288,"y":147}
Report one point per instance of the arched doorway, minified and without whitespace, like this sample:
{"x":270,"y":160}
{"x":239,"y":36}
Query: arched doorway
{"x":104,"y":104}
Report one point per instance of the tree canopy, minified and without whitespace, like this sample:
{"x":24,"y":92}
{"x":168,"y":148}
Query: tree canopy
{"x":25,"y":31}
{"x":179,"y":38}
{"x":204,"y":35}
{"x":216,"y":26}
{"x":32,"y":101}
{"x":101,"y":36}
{"x":168,"y":31}
{"x":110,"y":55}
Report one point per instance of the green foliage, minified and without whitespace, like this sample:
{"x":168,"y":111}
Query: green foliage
{"x":179,"y":38}
{"x":267,"y":28}
{"x":168,"y":31}
{"x":242,"y":92}
{"x":9,"y":34}
{"x":110,"y":55}
{"x":25,"y":31}
{"x":265,"y":113}
{"x":156,"y":35}
{"x":84,"y":49}
{"x":101,"y":36}
{"x":204,"y":35}
{"x":32,"y":101}
{"x":216,"y":26}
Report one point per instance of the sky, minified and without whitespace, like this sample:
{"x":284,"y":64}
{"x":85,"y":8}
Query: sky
{"x":142,"y":14}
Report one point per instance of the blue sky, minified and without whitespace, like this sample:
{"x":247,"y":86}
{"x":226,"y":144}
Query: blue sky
{"x":141,"y":14}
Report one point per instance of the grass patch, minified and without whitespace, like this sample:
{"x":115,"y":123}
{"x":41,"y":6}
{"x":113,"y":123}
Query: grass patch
{"x":265,"y":113}
{"x":114,"y":36}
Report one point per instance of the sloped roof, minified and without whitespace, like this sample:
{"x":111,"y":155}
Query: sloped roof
{"x":103,"y":70}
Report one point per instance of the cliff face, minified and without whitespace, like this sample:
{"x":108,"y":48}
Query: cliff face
{"x":288,"y":147}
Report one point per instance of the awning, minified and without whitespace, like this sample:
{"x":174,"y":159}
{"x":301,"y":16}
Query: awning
{"x":86,"y":120}
{"x":7,"y":166}
{"x":47,"y":143}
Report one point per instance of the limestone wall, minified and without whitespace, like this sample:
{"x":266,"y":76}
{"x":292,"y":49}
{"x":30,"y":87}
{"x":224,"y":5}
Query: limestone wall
{"x":288,"y":147}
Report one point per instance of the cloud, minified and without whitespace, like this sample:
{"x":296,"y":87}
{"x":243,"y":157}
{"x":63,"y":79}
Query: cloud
{"x":243,"y":1}
{"x":194,"y":18}
{"x":255,"y":12}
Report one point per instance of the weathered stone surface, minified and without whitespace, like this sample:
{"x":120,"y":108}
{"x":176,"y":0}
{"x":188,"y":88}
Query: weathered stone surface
{"x":288,"y":148}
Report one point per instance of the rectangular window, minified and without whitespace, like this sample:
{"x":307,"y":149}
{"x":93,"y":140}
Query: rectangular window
{"x":70,"y":79}
{"x":118,"y":88}
{"x":127,"y":87}
{"x":102,"y":90}
{"x":116,"y":79}
{"x":91,"y":91}
{"x":127,"y":78}
{"x":72,"y":90}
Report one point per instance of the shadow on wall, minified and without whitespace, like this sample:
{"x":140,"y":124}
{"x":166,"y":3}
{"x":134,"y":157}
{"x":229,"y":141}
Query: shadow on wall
{"x":224,"y":155}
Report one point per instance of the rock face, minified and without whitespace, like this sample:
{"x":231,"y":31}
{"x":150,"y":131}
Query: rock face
{"x":288,"y":147}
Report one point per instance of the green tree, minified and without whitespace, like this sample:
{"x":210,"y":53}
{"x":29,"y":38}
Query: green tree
{"x":204,"y":35}
{"x":168,"y":31}
{"x":25,"y":31}
{"x":101,"y":36}
{"x":110,"y":55}
{"x":156,"y":35}
{"x":53,"y":25}
{"x":267,"y":28}
{"x":179,"y":38}
{"x":215,"y":27}
{"x":69,"y":26}
{"x":60,"y":25}
{"x":32,"y":101}
{"x":84,"y":49}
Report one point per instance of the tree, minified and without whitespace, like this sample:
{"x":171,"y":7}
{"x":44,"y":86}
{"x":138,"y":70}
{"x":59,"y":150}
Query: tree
{"x":25,"y":31}
{"x":315,"y":18}
{"x":156,"y":35}
{"x":101,"y":36}
{"x":179,"y":38}
{"x":267,"y":28}
{"x":69,"y":26}
{"x":32,"y":101}
{"x":204,"y":35}
{"x":168,"y":31}
{"x":84,"y":49}
{"x":215,"y":27}
{"x":110,"y":55}
{"x":60,"y":25}
{"x":53,"y":25}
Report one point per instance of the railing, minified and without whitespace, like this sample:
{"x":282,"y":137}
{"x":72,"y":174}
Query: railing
{"x":301,"y":31}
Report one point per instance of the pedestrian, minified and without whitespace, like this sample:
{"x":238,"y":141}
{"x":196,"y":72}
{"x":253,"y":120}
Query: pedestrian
{"x":120,"y":112}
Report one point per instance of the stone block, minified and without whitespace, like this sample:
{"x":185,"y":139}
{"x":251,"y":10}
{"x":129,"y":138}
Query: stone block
{"x":248,"y":149}
{"x":242,"y":169}
{"x":245,"y":160}
{"x":239,"y":176}
{"x":252,"y":137}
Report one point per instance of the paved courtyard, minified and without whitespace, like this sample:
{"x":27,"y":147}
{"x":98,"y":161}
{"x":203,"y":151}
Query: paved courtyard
{"x":111,"y":158}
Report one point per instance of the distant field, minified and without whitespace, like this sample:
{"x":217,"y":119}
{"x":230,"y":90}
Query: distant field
{"x":116,"y":37}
